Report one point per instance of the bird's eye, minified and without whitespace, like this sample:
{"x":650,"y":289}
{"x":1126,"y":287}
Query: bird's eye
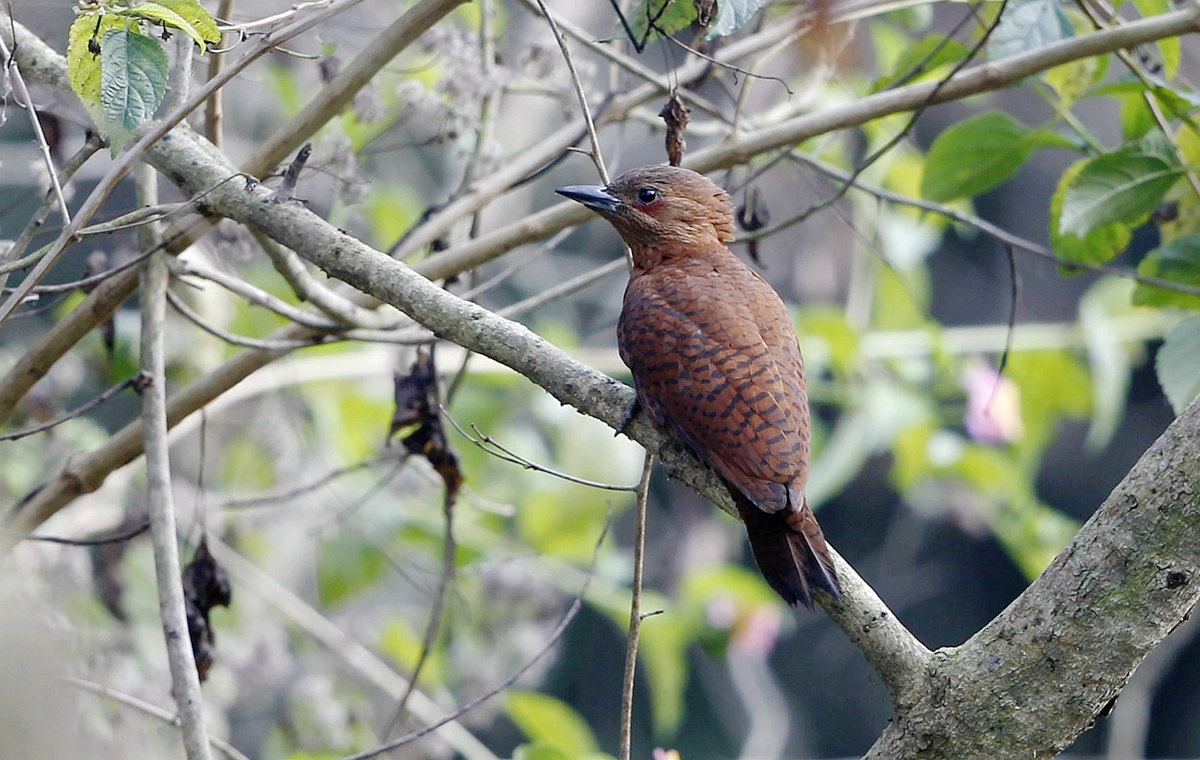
{"x":647,"y":195}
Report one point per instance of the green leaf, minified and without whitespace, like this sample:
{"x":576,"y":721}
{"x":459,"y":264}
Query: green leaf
{"x":133,"y":82}
{"x":83,"y":58}
{"x":1110,"y":363}
{"x":1136,"y":117}
{"x":1178,"y":364}
{"x":836,"y":336}
{"x":732,"y":15}
{"x":1028,"y":25}
{"x":974,"y":155}
{"x":398,"y":641}
{"x":188,"y":16}
{"x":1099,"y":245}
{"x":663,"y":649}
{"x":1177,"y":261}
{"x":539,"y":751}
{"x":677,"y":16}
{"x":923,"y":60}
{"x":544,"y":719}
{"x":1120,"y":187}
{"x":1071,"y":81}
{"x":348,"y":568}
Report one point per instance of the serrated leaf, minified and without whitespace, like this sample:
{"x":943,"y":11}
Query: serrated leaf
{"x":162,"y":11}
{"x":546,"y":720}
{"x":923,"y":60}
{"x":676,"y":16}
{"x":974,"y":155}
{"x":732,"y":15}
{"x":133,"y":82}
{"x":1177,"y":261}
{"x":1178,"y":364}
{"x":1100,"y":245}
{"x":1120,"y":187}
{"x":83,"y":58}
{"x":1028,"y":25}
{"x":197,"y":15}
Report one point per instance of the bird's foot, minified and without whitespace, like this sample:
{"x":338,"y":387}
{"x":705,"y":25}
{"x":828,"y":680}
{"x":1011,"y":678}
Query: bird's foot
{"x":628,"y":416}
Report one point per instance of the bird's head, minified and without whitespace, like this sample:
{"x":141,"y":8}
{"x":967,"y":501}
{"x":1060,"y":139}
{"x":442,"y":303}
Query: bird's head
{"x":664,"y":209}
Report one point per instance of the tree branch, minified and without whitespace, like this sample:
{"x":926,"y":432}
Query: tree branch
{"x":1038,"y":674}
{"x":185,"y":680}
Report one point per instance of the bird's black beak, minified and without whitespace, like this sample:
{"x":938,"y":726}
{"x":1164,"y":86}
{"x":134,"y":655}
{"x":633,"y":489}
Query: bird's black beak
{"x":594,"y":197}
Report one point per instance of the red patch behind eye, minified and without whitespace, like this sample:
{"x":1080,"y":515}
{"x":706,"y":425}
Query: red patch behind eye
{"x":651,"y":208}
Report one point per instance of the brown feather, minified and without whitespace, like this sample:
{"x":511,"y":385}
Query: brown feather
{"x":715,"y":358}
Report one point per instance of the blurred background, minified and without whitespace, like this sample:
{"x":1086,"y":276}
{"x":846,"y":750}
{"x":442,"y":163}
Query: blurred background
{"x":946,"y":484}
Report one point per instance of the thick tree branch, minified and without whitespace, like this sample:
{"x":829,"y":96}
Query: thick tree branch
{"x":1037,"y":675}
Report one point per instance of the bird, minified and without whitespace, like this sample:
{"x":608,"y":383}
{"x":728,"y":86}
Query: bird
{"x":715,"y":359}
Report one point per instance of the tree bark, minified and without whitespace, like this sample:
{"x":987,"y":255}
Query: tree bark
{"x":1040,"y":673}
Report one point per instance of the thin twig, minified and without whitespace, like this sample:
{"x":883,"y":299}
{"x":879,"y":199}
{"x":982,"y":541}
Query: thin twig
{"x":561,"y":40}
{"x":267,"y":344}
{"x":284,"y":496}
{"x":114,"y":538}
{"x":1000,"y":234}
{"x":153,"y":711}
{"x":134,"y":382}
{"x":358,"y":657}
{"x":214,"y":112}
{"x":307,"y":288}
{"x":184,"y":678}
{"x":489,"y":445}
{"x":148,"y":136}
{"x":24,"y":100}
{"x":635,"y":609}
{"x":433,"y":625}
{"x":557,"y":634}
{"x":563,"y":289}
{"x":72,"y":165}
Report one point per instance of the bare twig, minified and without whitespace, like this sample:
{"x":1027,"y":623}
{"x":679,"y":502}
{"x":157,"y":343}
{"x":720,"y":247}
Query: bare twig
{"x":114,"y":538}
{"x":557,"y":634}
{"x":153,"y":711}
{"x":25,"y":101}
{"x":339,"y":92}
{"x":135,"y":382}
{"x":361,"y":659}
{"x":148,"y":136}
{"x":266,"y":344}
{"x":433,"y":625}
{"x":214,"y":112}
{"x":563,"y":289}
{"x":72,"y":164}
{"x":635,"y":608}
{"x":306,"y":287}
{"x":489,"y":445}
{"x":184,"y":678}
{"x":253,"y":294}
{"x":561,"y":40}
{"x":1003,"y":236}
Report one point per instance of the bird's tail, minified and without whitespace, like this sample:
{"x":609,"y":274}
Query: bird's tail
{"x":790,"y":550}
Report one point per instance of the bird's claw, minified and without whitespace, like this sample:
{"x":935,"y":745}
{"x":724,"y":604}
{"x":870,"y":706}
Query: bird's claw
{"x":628,"y":416}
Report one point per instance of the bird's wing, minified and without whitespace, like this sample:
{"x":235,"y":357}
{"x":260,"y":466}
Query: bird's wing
{"x":711,"y":358}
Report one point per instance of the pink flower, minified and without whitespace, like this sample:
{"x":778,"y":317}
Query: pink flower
{"x":757,"y":631}
{"x":993,"y":405}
